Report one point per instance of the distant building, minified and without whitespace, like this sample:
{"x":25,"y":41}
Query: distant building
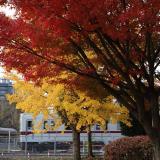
{"x":9,"y":116}
{"x":5,"y":87}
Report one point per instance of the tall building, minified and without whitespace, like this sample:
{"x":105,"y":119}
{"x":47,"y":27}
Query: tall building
{"x":9,"y":116}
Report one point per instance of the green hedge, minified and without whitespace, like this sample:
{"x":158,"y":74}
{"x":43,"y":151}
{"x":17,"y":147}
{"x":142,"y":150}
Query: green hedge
{"x":129,"y":148}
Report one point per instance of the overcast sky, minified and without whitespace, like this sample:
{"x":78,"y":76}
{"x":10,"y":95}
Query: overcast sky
{"x":10,"y":13}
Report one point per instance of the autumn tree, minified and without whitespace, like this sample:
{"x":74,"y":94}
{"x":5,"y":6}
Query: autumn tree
{"x":73,"y":108}
{"x":114,"y":43}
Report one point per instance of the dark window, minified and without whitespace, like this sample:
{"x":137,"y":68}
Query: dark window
{"x":98,"y":127}
{"x":45,"y":124}
{"x":106,"y":125}
{"x":29,"y":125}
{"x":52,"y":124}
{"x":68,"y":128}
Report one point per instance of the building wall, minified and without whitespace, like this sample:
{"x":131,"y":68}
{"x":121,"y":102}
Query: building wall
{"x":9,"y":116}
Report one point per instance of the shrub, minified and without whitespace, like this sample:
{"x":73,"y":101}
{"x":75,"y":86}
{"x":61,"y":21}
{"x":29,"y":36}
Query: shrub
{"x":129,"y":148}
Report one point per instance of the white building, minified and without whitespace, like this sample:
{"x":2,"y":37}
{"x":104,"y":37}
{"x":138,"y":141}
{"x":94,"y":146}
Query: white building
{"x":62,"y":135}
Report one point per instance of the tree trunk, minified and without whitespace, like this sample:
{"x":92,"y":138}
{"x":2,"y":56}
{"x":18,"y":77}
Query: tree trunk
{"x":156,"y":149}
{"x":76,"y":144}
{"x":90,"y":153}
{"x":154,"y":135}
{"x":148,"y":116}
{"x":155,"y":140}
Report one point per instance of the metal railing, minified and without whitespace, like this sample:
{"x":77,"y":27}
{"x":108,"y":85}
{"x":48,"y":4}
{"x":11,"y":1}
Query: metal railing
{"x":10,"y":145}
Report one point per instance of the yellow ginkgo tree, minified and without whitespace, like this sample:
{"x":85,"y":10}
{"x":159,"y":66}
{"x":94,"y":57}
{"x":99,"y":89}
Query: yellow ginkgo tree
{"x":66,"y":105}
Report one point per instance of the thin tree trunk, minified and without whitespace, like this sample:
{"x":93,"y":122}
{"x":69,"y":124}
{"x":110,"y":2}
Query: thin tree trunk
{"x":76,"y":144}
{"x":90,"y":152}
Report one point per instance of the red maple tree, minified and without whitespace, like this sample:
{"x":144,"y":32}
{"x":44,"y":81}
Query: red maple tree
{"x":113,"y":42}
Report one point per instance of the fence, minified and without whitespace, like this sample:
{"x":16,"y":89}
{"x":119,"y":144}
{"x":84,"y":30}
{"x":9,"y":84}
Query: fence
{"x":9,"y":143}
{"x":12,"y":145}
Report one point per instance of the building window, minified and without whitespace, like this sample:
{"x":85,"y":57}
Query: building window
{"x":45,"y":124}
{"x":118,"y":126}
{"x":106,"y":125}
{"x":68,"y":128}
{"x":52,"y":124}
{"x":29,"y":125}
{"x":98,"y":127}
